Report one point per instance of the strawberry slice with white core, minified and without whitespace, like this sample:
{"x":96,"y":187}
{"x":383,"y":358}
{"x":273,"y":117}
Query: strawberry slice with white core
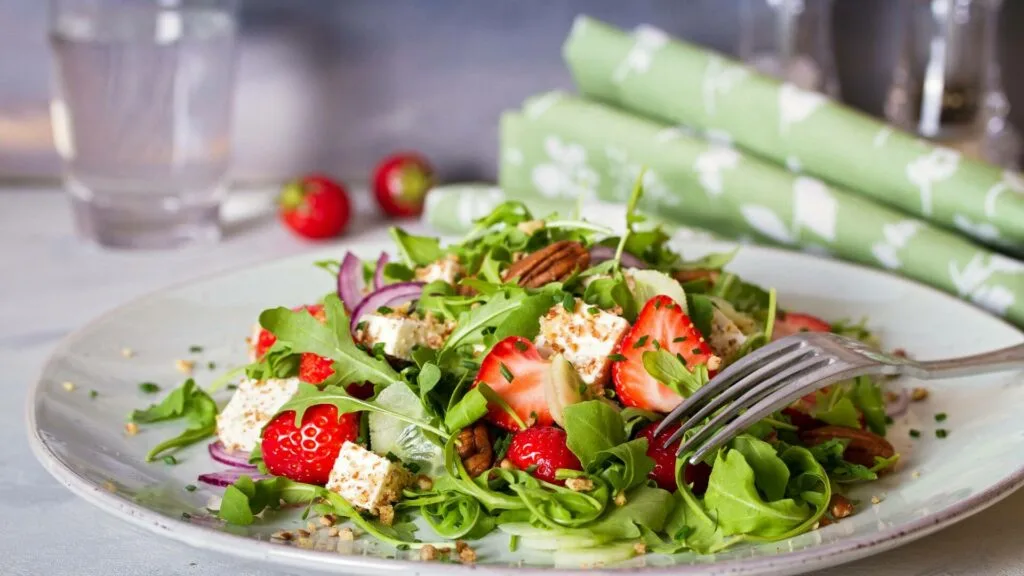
{"x":517,"y":372}
{"x":661,"y":324}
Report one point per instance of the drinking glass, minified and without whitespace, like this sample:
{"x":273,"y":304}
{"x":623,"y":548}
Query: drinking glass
{"x":141,"y":116}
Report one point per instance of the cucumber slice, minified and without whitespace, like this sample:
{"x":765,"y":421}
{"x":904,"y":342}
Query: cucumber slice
{"x":407,"y":442}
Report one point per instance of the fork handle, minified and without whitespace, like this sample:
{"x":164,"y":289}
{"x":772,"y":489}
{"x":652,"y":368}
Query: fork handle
{"x":995,"y":361}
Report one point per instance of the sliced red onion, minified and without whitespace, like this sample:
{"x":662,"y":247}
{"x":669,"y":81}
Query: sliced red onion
{"x":898,"y":407}
{"x":378,"y":272}
{"x":350,"y":281}
{"x":229,"y":477}
{"x":390,"y":295}
{"x":599,"y":253}
{"x":235,"y":459}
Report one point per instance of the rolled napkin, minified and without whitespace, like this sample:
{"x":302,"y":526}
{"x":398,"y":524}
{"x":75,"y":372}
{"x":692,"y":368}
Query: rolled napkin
{"x":671,"y":81}
{"x":561,"y":147}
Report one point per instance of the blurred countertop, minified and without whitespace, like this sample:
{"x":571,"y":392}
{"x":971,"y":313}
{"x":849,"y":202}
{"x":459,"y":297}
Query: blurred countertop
{"x":52,"y":282}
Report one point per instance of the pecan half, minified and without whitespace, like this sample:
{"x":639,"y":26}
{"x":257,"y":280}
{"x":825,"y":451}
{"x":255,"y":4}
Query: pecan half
{"x":474,"y":447}
{"x":864,"y":446}
{"x":685,"y":276}
{"x":550,"y":264}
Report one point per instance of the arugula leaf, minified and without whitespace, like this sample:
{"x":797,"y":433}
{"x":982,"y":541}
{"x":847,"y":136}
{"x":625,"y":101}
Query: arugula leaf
{"x":428,"y":377}
{"x":332,"y":340}
{"x":649,"y":283}
{"x":175,"y":405}
{"x":645,"y":506}
{"x":471,"y":408}
{"x":701,"y":311}
{"x":744,"y":296}
{"x":835,"y":408}
{"x":189,"y":402}
{"x":244,"y":499}
{"x":491,"y":314}
{"x":592,"y":427}
{"x":636,"y":417}
{"x":867,"y":397}
{"x":830,"y":455}
{"x":278,"y":362}
{"x":440,"y":299}
{"x":732,"y":494}
{"x":509,"y":213}
{"x":624,"y":466}
{"x":397,"y":272}
{"x":190,"y":436}
{"x":770,"y":473}
{"x":691,"y":525}
{"x":308,"y":395}
{"x":607,"y":293}
{"x":526,"y":320}
{"x":651,"y":246}
{"x":416,"y":250}
{"x":713,"y":261}
{"x":666,"y":368}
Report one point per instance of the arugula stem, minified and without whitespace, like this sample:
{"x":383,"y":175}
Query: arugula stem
{"x":580,"y":225}
{"x":225,"y":378}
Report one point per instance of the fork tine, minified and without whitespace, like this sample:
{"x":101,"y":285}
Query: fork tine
{"x":751,"y":397}
{"x":780,"y":398}
{"x":738,"y":388}
{"x":733,"y":372}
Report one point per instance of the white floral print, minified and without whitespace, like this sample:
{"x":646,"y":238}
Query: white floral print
{"x":767,"y":222}
{"x":970,"y":281}
{"x":896,"y":237}
{"x":1010,"y":181}
{"x":536,"y":107}
{"x":984,"y":230}
{"x":793,"y":164}
{"x":796,"y":105}
{"x":567,"y":175}
{"x":718,"y":137}
{"x":935,"y":166}
{"x":475,"y":205}
{"x":720,"y":77}
{"x":814,"y":207}
{"x":711,"y":163}
{"x":882,"y":137}
{"x":513,"y":156}
{"x":624,"y":174}
{"x":647,"y":41}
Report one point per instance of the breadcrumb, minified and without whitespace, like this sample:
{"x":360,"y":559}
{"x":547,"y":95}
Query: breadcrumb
{"x":428,"y":553}
{"x":346,"y":534}
{"x":282,"y":535}
{"x":185,"y":366}
{"x":386,"y":514}
{"x":127,"y":352}
{"x":620,"y":499}
{"x":68,"y":385}
{"x":918,"y":394}
{"x":640,"y":548}
{"x":579,"y":484}
{"x":131,"y":429}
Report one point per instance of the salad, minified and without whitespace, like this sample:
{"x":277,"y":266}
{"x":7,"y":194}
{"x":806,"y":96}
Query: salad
{"x":511,"y":383}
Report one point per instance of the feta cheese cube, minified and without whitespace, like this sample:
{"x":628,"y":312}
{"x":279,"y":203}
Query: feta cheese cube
{"x":447,"y":269}
{"x":584,"y":339}
{"x":366,"y":480}
{"x":253,"y":405}
{"x":398,"y":333}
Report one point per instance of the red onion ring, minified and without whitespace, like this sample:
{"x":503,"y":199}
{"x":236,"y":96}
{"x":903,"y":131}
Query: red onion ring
{"x":390,"y":295}
{"x":350,"y":281}
{"x":229,"y":477}
{"x":898,"y":407}
{"x":234,"y":459}
{"x":378,"y":272}
{"x":599,"y":253}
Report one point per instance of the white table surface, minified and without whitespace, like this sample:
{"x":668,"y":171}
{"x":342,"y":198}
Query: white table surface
{"x":51,"y":283}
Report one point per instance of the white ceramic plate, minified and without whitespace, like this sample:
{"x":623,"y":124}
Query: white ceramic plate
{"x":80,"y":440}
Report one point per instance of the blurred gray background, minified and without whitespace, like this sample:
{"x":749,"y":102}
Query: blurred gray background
{"x":334,"y":85}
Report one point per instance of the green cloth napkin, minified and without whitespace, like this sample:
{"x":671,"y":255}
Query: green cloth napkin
{"x":648,"y":73}
{"x":561,"y":148}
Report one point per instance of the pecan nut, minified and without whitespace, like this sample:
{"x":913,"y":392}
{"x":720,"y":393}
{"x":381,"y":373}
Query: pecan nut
{"x":863,"y":448}
{"x":685,"y":276}
{"x":474,"y":448}
{"x":553,"y":263}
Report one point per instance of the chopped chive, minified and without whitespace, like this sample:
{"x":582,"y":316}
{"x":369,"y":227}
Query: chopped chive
{"x":680,"y":358}
{"x":149,"y":388}
{"x":695,"y":351}
{"x":641,"y":342}
{"x":232,"y":386}
{"x":185,"y":516}
{"x":384,"y":310}
{"x":915,"y":433}
{"x":505,"y":372}
{"x":170,"y":460}
{"x":521,"y":346}
{"x":190,"y":488}
{"x":679,"y":339}
{"x":378,"y":349}
{"x":513,"y":542}
{"x":940,"y":417}
{"x":941,"y":433}
{"x":657,"y":303}
{"x":888,"y":420}
{"x":211,"y":365}
{"x":469,"y":364}
{"x":93,"y":394}
{"x":656,"y":344}
{"x":569,"y":303}
{"x":616,"y":357}
{"x":582,"y":388}
{"x":361,"y":325}
{"x":593,"y":310}
{"x":195,"y":349}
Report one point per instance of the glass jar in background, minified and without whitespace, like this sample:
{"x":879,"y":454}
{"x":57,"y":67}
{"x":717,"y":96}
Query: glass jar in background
{"x":790,"y":40}
{"x":141,"y":116}
{"x":948,"y":85}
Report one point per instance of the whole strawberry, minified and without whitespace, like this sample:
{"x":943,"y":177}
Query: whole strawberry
{"x":664,"y":456}
{"x":401,"y":182}
{"x":307,"y":453}
{"x":315,"y":207}
{"x":542,"y":450}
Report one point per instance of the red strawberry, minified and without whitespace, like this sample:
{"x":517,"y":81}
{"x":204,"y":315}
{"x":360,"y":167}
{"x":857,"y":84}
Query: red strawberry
{"x":664,"y":321}
{"x":664,"y":457}
{"x":264,"y":339}
{"x":315,"y":207}
{"x":314,"y":369}
{"x":307,"y":453}
{"x":789,"y":323}
{"x":401,"y":182}
{"x":525,"y":393}
{"x":543,"y":447}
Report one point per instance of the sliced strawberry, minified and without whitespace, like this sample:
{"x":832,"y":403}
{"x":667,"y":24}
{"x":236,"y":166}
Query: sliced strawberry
{"x":516,"y":357}
{"x":307,"y":453}
{"x":664,"y":457}
{"x":662,"y":321}
{"x":263,"y":339}
{"x":542,"y":450}
{"x":315,"y":369}
{"x":789,"y":323}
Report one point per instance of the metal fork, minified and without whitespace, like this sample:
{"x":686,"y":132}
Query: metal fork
{"x":781,"y":372}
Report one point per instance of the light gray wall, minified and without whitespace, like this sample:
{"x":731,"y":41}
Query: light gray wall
{"x":333,"y":85}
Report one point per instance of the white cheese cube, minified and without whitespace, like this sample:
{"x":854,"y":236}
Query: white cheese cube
{"x":447,"y":269}
{"x":398,"y":333}
{"x":366,"y":480}
{"x":586,"y":340}
{"x":253,"y":405}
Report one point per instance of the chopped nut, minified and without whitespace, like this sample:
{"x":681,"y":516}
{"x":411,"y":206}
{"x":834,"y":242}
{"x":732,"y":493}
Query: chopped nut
{"x":840,"y":506}
{"x":640,"y":548}
{"x":109,"y":486}
{"x":302,"y":533}
{"x":282,"y":535}
{"x":714,"y":362}
{"x":620,"y":499}
{"x":131,"y":428}
{"x":552,"y":263}
{"x":311,"y":527}
{"x":69,"y":386}
{"x":900,"y":353}
{"x":916,"y":474}
{"x":460,"y":545}
{"x":891,"y":397}
{"x":305,"y":543}
{"x":327,"y":520}
{"x":386,"y":514}
{"x":580,"y":484}
{"x":825,"y":521}
{"x":333,"y":531}
{"x":918,"y":394}
{"x":876,"y":500}
{"x":185,"y":366}
{"x":474,"y":446}
{"x":507,"y":464}
{"x":428,"y":553}
{"x":346,"y":534}
{"x":127,"y":352}
{"x":466,"y":555}
{"x":424,"y":483}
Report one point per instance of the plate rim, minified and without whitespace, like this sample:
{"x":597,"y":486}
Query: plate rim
{"x":839,"y":552}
